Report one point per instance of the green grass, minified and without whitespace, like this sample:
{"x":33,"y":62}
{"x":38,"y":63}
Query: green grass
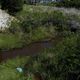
{"x":32,"y":9}
{"x":67,"y":50}
{"x":33,"y":26}
{"x":54,"y":58}
{"x":39,"y":34}
{"x":8,"y":70}
{"x":8,"y":41}
{"x":15,"y":36}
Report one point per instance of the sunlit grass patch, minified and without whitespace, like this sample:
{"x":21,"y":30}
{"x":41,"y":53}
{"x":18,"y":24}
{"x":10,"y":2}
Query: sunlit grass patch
{"x":9,"y":41}
{"x":8,"y":70}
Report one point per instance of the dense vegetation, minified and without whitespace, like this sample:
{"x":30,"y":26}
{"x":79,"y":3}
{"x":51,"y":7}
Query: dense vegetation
{"x":12,"y":5}
{"x":71,"y":3}
{"x":61,"y":63}
{"x":31,"y":22}
{"x":35,"y":23}
{"x":65,"y":3}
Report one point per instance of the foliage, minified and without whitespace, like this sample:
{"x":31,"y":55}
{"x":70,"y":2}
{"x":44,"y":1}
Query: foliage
{"x":8,"y":69}
{"x":43,"y":16}
{"x":68,"y":56}
{"x":61,"y":63}
{"x":65,"y":3}
{"x":28,"y":2}
{"x":12,"y":5}
{"x":72,"y":3}
{"x":36,"y":19}
{"x":32,"y":25}
{"x":9,"y":41}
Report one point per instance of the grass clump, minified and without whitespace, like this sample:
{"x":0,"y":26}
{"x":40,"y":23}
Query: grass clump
{"x":8,"y":69}
{"x":34,"y":23}
{"x":61,"y":62}
{"x":9,"y":41}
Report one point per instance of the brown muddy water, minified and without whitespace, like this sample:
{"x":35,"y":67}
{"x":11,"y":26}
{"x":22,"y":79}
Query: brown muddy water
{"x":30,"y":50}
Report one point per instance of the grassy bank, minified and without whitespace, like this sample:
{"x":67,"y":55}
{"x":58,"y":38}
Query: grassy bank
{"x":35,"y":23}
{"x":52,"y":64}
{"x":8,"y":41}
{"x":8,"y":69}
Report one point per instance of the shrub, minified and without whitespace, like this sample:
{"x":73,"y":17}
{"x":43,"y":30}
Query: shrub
{"x":68,"y":58}
{"x":76,"y":3}
{"x":28,"y":2}
{"x":60,"y":63}
{"x":65,"y":3}
{"x":12,"y":5}
{"x":36,"y":19}
{"x":71,"y":3}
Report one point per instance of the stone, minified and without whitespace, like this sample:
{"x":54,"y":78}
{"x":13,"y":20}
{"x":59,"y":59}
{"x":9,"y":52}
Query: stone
{"x":74,"y":25}
{"x":5,"y":20}
{"x":19,"y":69}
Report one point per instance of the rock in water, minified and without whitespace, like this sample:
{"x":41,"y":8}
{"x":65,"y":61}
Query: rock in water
{"x":19,"y":69}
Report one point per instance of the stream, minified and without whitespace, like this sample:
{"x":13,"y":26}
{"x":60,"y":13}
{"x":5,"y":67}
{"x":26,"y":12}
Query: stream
{"x":30,"y":50}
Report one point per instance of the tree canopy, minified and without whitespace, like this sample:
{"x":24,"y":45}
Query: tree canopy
{"x":12,"y":5}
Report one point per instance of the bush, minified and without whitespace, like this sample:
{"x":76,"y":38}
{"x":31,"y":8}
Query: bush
{"x":32,"y":19}
{"x":60,"y":63}
{"x":65,"y":3}
{"x":71,"y":3}
{"x":68,"y":58}
{"x":28,"y":2}
{"x":37,"y":19}
{"x":12,"y":5}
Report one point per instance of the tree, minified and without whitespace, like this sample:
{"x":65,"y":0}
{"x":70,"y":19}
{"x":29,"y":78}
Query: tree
{"x":12,"y":5}
{"x":71,"y":3}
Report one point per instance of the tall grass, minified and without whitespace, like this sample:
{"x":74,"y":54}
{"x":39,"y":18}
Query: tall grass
{"x":59,"y":63}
